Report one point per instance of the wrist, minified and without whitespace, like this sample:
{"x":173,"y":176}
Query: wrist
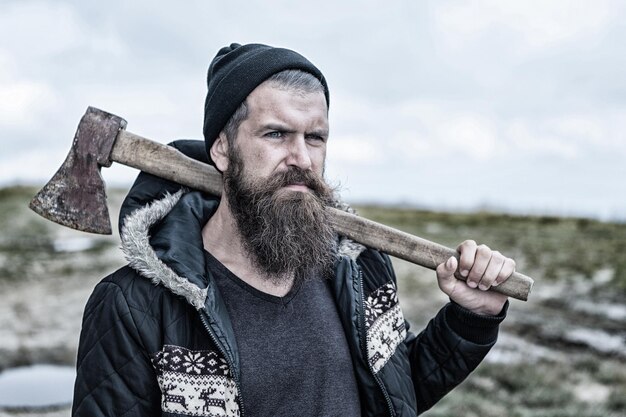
{"x":477,"y":328}
{"x":493,"y":309}
{"x":483,"y":315}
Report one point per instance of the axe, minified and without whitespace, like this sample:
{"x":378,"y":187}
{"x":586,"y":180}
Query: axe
{"x":76,"y":195}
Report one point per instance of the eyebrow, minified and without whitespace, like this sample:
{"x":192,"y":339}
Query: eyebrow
{"x":284,"y":128}
{"x":320,"y":132}
{"x":276,"y":126}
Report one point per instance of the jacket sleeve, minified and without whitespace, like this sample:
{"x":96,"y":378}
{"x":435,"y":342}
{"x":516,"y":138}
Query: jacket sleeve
{"x":447,"y":350}
{"x":426,"y":366}
{"x":114,"y":373}
{"x":451,"y":346}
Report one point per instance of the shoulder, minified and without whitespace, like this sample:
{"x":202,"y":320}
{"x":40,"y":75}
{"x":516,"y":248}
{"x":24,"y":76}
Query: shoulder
{"x":127,"y":292}
{"x":129,"y":284}
{"x":124,"y":291}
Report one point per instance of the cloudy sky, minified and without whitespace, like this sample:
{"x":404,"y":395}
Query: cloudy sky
{"x":519,"y":106}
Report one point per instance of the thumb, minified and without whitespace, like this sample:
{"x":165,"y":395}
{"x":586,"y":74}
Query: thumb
{"x":446,"y":269}
{"x":445,"y":275}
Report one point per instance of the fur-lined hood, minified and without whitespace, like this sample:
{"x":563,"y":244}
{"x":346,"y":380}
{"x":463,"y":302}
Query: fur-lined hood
{"x":163,"y":242}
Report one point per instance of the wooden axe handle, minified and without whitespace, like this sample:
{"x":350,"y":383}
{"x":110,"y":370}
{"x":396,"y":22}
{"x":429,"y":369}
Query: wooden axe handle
{"x":166,"y":162}
{"x":169,"y":163}
{"x":414,"y":249}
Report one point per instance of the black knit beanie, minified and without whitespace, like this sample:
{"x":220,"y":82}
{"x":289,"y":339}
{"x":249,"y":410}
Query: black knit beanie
{"x":238,"y":69}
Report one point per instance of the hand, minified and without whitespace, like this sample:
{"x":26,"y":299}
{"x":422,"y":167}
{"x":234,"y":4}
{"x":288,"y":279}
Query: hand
{"x":483,"y":268}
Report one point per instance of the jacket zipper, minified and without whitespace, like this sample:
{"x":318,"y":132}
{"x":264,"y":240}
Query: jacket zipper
{"x":230,"y":364}
{"x":366,"y":345}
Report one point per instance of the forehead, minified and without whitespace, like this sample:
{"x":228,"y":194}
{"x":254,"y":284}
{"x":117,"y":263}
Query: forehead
{"x":271,"y":101}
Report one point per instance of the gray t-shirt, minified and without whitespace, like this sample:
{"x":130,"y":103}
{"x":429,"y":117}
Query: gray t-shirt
{"x":293,"y":350}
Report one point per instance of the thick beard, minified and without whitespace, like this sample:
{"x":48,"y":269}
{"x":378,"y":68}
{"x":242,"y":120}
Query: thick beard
{"x":286,"y":233}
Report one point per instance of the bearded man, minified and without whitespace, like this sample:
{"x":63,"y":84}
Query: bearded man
{"x":249,"y":304}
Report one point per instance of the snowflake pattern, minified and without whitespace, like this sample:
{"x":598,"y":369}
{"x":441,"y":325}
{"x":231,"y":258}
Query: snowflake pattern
{"x":195,"y":382}
{"x":385,"y":325}
{"x":193,"y":362}
{"x":379,"y":301}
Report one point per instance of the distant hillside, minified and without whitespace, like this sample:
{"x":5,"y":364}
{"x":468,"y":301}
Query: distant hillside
{"x":551,"y":247}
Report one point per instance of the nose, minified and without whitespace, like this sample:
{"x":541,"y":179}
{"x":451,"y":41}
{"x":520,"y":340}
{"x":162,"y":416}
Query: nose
{"x":299,"y":153}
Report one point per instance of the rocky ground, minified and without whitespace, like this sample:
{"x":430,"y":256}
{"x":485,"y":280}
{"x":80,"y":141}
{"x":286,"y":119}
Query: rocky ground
{"x":559,"y":354}
{"x":562,"y":353}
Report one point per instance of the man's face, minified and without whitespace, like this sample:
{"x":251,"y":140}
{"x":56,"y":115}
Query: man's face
{"x":274,"y":186}
{"x":284,"y":129}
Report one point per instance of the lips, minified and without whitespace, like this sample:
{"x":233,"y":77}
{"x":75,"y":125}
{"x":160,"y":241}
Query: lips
{"x":299,"y":186}
{"x":296,"y":178}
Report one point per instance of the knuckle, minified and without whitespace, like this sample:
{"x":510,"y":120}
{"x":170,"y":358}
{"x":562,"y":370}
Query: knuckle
{"x":483,"y":249}
{"x":498,"y":257}
{"x":467,"y":244}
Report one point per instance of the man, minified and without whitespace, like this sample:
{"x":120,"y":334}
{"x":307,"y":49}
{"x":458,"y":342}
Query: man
{"x":248,"y":304}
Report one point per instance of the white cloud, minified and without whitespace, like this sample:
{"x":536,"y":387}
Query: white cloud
{"x":414,"y":129}
{"x":43,"y":29}
{"x":8,"y":65}
{"x":31,"y":167}
{"x":522,"y":138}
{"x":443,"y":131}
{"x":529,"y":25}
{"x":21,"y":102}
{"x":355,"y":150}
{"x":42,"y":40}
{"x":39,"y":165}
{"x":471,"y":134}
{"x":412,"y":145}
{"x":162,"y":112}
{"x":48,"y":29}
{"x":568,"y":136}
{"x":603,"y":130}
{"x":585,"y":129}
{"x":417,"y":130}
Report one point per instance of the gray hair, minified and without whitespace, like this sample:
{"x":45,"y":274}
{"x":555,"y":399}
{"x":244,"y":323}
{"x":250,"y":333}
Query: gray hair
{"x":290,"y":80}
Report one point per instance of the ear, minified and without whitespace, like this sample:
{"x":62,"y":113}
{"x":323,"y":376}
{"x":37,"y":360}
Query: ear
{"x":219,"y":152}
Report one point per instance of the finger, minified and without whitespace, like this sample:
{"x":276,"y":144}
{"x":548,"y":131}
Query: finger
{"x":445,"y":275}
{"x":493,"y":270}
{"x":467,"y":249}
{"x":481,"y":261}
{"x":446,"y":269}
{"x":507,"y":270}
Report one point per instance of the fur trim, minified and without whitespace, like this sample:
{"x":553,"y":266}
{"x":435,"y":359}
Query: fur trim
{"x":142,"y":258}
{"x":348,"y":247}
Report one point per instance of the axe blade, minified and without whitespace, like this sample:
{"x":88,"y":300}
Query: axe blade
{"x":76,"y":194}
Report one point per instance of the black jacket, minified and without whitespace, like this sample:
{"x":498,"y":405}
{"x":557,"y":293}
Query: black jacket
{"x":157,"y":339}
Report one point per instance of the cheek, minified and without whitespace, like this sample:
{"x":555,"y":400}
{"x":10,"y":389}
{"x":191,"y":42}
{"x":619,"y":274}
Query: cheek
{"x":261,"y":161}
{"x":318,"y":157}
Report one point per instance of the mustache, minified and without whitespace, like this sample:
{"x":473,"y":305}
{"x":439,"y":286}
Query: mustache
{"x":295,"y":175}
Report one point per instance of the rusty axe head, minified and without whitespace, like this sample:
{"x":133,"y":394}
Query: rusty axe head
{"x":76,"y":194}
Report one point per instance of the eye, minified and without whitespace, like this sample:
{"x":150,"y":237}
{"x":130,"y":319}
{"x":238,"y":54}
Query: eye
{"x":274,"y":134}
{"x":316,"y":138}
